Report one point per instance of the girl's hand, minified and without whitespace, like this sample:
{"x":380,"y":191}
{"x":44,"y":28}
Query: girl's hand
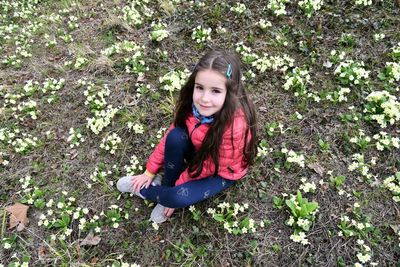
{"x":168,"y":211}
{"x":141,"y":181}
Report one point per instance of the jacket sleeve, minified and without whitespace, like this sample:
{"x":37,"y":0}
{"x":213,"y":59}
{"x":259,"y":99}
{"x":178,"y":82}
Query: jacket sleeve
{"x":231,"y":150}
{"x":156,"y":159}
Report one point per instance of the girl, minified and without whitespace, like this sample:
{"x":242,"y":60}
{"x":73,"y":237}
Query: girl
{"x":210,"y":144}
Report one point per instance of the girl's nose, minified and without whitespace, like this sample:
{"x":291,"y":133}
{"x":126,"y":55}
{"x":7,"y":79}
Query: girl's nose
{"x":205,"y":97}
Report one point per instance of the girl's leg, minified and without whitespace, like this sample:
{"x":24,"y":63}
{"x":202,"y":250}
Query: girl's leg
{"x":188,"y":193}
{"x":178,"y":147}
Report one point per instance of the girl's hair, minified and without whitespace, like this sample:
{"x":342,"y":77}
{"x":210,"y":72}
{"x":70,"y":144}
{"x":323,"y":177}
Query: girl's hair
{"x":236,"y":98}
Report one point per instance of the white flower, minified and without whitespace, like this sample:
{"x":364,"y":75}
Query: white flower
{"x":155,"y":226}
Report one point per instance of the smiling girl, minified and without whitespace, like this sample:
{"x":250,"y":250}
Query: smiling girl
{"x":210,"y":144}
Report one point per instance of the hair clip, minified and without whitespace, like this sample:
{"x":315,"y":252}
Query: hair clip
{"x":229,"y":71}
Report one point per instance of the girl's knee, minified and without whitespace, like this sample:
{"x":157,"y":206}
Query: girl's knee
{"x":177,"y":137}
{"x":175,"y":200}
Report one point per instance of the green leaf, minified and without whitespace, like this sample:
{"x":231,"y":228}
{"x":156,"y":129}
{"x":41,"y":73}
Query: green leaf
{"x":277,"y":202}
{"x":218,"y":217}
{"x":299,"y":197}
{"x":292,"y":207}
{"x":382,"y":76}
{"x":39,"y":203}
{"x":65,"y":219}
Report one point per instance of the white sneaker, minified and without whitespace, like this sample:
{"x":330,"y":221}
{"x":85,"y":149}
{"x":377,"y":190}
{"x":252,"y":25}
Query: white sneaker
{"x":157,"y":180}
{"x":157,"y":215}
{"x":124,"y":185}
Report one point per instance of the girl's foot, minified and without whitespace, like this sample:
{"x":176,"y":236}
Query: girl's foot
{"x":157,"y":215}
{"x":124,"y":184}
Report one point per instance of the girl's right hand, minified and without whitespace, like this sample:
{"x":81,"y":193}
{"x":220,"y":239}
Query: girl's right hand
{"x":141,"y":181}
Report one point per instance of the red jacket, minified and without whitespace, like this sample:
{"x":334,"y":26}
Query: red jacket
{"x":231,"y":158}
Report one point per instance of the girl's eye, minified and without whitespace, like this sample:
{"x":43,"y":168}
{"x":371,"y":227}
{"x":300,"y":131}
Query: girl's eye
{"x":198,"y":87}
{"x":216,"y":91}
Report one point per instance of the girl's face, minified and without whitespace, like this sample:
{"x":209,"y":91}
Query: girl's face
{"x":209,"y":92}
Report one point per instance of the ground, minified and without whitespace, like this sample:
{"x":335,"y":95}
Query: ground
{"x":87,"y":89}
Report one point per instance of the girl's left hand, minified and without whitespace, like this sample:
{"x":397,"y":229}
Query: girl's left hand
{"x":168,"y":212}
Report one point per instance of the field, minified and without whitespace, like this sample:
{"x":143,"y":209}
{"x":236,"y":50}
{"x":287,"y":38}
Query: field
{"x":87,"y":89}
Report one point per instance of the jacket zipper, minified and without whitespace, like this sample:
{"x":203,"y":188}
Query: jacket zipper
{"x":195,"y":127}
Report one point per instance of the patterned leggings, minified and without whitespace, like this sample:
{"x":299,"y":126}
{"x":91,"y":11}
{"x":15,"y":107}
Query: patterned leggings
{"x":179,"y":148}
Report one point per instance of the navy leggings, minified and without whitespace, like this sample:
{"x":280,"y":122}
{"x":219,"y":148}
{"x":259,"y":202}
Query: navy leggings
{"x":179,"y":148}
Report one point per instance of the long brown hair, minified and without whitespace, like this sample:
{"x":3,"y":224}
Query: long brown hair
{"x":236,"y":98}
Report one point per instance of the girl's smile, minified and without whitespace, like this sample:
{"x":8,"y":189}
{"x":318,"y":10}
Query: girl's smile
{"x":209,"y":92}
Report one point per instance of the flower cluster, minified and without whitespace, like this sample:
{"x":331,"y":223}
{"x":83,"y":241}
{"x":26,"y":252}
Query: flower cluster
{"x":201,"y":35}
{"x":111,"y":142}
{"x":379,"y":36}
{"x":307,"y":187}
{"x":121,"y":48}
{"x":382,"y":107}
{"x":361,"y":140}
{"x":158,"y":32}
{"x":276,"y":63}
{"x":395,"y":53}
{"x":309,"y":7}
{"x":114,"y":216}
{"x":95,"y":95}
{"x":28,"y":109}
{"x":52,"y":85}
{"x":351,"y":227}
{"x":293,"y":157}
{"x":11,"y":98}
{"x":174,"y":80}
{"x":335,"y":57}
{"x":302,"y":215}
{"x":391,"y":73}
{"x":264,"y":24}
{"x":99,"y":175}
{"x":136,"y":12}
{"x":137,"y":128}
{"x":50,"y":42}
{"x":30,"y":87}
{"x":363,"y":2}
{"x":296,"y":80}
{"x":16,"y":262}
{"x":338,"y":96}
{"x":142,"y":89}
{"x":7,"y":135}
{"x":351,"y":73}
{"x":4,"y":159}
{"x":25,"y":144}
{"x":392,"y":183}
{"x":385,"y":141}
{"x":361,"y":166}
{"x":263,"y":149}
{"x":134,"y":166}
{"x":59,"y":216}
{"x":123,"y":264}
{"x":227,"y":214}
{"x":247,"y":56}
{"x":101,"y":119}
{"x":239,"y":9}
{"x":75,"y":137}
{"x":30,"y":193}
{"x":73,"y":22}
{"x":278,"y":6}
{"x":133,"y":62}
{"x":273,"y":127}
{"x":364,"y":255}
{"x":80,"y":63}
{"x":62,"y":214}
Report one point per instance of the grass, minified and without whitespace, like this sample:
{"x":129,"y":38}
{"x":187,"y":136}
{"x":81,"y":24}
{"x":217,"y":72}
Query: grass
{"x":306,"y":124}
